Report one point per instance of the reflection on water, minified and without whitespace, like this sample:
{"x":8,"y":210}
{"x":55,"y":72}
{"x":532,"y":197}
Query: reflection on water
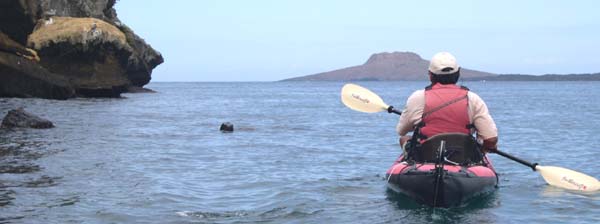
{"x":476,"y":208}
{"x":5,"y":195}
{"x":552,"y":191}
{"x":17,"y":157}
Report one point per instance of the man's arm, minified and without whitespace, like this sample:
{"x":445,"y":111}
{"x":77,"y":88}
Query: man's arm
{"x":485,"y":125}
{"x":411,"y":115}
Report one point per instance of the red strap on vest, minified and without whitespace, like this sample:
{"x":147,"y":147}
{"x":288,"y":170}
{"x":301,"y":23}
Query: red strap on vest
{"x":446,"y":110}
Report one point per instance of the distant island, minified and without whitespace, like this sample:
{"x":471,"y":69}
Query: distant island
{"x":409,"y":66}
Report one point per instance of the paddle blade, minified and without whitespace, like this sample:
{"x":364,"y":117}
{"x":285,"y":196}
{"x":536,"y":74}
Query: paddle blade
{"x":568,"y":179}
{"x":361,"y":99}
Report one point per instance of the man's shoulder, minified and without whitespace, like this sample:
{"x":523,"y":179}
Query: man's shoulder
{"x":417,"y":95}
{"x":473,"y":95}
{"x":475,"y":100}
{"x":417,"y":98}
{"x":420,"y":92}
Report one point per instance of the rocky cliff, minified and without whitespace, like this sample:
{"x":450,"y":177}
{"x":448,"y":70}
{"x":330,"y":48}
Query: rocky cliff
{"x":386,"y":67}
{"x":64,"y":48}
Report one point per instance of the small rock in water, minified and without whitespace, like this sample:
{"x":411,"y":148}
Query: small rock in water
{"x":226,"y":127}
{"x":19,"y":118}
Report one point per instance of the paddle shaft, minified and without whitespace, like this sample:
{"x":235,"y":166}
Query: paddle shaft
{"x":392,"y":110}
{"x":513,"y":158}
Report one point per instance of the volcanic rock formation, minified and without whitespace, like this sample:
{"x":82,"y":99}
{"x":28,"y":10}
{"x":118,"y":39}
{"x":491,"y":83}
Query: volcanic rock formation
{"x":83,"y":49}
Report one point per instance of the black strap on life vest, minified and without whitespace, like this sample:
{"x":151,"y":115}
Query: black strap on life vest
{"x":425,"y":114}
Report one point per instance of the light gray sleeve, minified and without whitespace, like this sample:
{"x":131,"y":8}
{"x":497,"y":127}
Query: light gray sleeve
{"x":411,"y":115}
{"x":481,"y":118}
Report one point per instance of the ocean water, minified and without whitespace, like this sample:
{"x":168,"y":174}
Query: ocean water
{"x":297,"y":156}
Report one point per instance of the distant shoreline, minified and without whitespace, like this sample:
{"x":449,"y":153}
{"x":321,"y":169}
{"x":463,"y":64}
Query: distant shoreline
{"x":547,"y":77}
{"x":502,"y":77}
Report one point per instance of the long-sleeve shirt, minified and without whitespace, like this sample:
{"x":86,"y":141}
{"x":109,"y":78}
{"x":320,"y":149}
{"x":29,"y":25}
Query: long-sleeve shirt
{"x":478,"y":115}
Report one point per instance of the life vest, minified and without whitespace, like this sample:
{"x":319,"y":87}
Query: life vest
{"x":446,"y":111}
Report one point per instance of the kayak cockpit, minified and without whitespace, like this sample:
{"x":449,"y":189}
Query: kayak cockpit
{"x":443,"y":171}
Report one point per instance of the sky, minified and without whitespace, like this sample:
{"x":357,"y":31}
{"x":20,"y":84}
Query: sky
{"x":270,"y":40}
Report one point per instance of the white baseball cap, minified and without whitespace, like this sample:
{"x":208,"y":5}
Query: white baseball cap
{"x":443,"y":63}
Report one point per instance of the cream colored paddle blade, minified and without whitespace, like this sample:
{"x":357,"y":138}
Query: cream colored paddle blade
{"x":568,"y":179}
{"x":361,"y":99}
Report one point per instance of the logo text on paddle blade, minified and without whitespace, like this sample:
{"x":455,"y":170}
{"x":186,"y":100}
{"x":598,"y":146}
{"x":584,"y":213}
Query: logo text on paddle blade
{"x":579,"y":186}
{"x":364,"y":100}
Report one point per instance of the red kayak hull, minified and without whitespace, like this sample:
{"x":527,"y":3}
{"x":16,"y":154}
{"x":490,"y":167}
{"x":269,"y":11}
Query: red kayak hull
{"x":455,"y":185}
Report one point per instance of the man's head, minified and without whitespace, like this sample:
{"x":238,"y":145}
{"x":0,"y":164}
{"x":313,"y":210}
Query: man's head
{"x":444,"y":69}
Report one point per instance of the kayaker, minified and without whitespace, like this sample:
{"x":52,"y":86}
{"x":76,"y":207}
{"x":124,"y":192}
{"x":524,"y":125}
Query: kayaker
{"x":444,"y":107}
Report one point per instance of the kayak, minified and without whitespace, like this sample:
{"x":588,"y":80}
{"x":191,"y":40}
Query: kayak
{"x":447,"y":171}
{"x":443,"y":176}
